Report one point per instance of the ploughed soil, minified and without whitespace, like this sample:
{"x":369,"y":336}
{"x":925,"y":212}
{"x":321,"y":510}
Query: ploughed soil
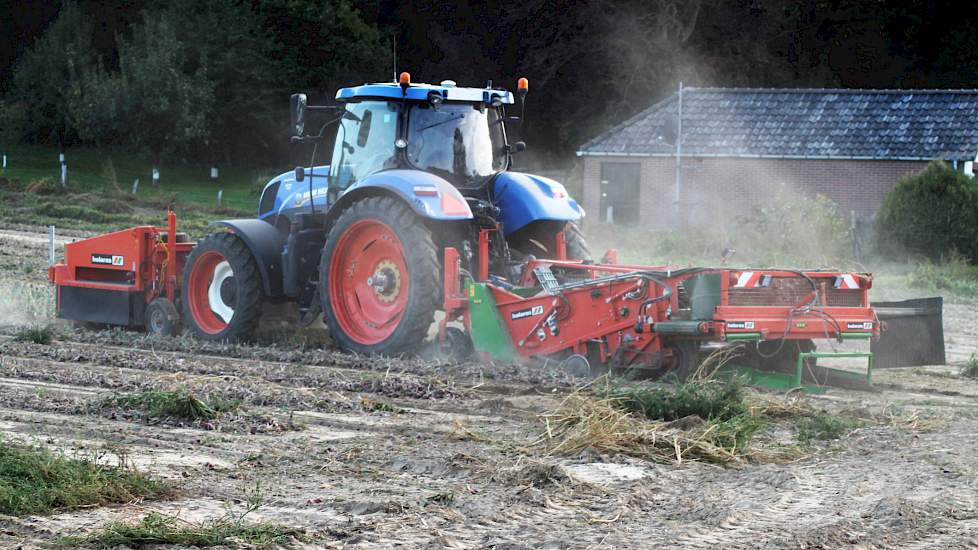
{"x":378,"y":453}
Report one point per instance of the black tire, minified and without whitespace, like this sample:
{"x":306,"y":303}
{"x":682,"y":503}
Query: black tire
{"x":539,"y":238}
{"x":686,"y":358}
{"x":577,"y":248}
{"x":423,"y":271}
{"x":246,"y":286}
{"x":162,"y":318}
{"x":457,"y":344}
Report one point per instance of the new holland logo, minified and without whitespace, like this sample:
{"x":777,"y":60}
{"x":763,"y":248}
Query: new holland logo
{"x":108,"y":259}
{"x":868,"y":325}
{"x":740,"y":325}
{"x":529,"y":312}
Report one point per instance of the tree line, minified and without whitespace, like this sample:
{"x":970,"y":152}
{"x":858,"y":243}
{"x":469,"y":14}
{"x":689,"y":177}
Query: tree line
{"x":209,"y":81}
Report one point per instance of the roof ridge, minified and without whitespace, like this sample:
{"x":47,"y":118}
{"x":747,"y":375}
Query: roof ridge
{"x":837,"y":90}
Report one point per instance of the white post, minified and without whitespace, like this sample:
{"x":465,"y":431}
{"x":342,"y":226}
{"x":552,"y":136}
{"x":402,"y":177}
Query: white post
{"x":679,"y":155}
{"x":64,"y":170}
{"x":156,"y":177}
{"x":135,"y":186}
{"x":50,"y":245}
{"x":220,"y":195}
{"x":5,"y":162}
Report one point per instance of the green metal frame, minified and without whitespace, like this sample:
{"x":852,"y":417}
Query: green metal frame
{"x":489,"y":334}
{"x":805,"y":355}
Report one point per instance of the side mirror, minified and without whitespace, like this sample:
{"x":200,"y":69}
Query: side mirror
{"x":300,"y":173}
{"x":364,"y":131}
{"x":297,"y":110}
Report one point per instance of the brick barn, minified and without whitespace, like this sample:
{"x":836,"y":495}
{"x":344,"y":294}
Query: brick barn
{"x":740,"y":147}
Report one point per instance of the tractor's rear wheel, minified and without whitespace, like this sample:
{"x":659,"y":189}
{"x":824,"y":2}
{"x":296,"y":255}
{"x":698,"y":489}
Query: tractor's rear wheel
{"x":222,"y":289}
{"x":577,"y":248}
{"x":379,"y":278}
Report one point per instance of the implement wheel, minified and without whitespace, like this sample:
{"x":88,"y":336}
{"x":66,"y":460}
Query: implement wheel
{"x":162,"y":318}
{"x":686,"y":358}
{"x":222,"y":289}
{"x":379,"y":278}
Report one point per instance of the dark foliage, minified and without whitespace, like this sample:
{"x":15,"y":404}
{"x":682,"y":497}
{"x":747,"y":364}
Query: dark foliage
{"x":220,"y":72}
{"x":933,"y":214}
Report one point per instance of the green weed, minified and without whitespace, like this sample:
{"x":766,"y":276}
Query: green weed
{"x":825,"y":427}
{"x":954,"y":275}
{"x":970,"y":368}
{"x":36,"y":334}
{"x":172,"y":403}
{"x":722,"y":400}
{"x":160,"y":529}
{"x":38,"y":481}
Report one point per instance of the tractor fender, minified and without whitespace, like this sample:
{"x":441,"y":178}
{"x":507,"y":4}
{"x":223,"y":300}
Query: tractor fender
{"x":265,"y":243}
{"x":428,"y":195}
{"x":525,"y":198}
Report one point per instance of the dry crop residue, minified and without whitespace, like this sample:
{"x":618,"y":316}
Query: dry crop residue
{"x":418,"y":454}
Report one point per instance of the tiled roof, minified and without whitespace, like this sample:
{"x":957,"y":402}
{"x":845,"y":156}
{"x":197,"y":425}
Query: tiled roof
{"x":810,"y":123}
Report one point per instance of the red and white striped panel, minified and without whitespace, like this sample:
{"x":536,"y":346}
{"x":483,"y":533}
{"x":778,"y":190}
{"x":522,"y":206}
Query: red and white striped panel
{"x":848,"y":281}
{"x":748,"y":279}
{"x":751,"y":279}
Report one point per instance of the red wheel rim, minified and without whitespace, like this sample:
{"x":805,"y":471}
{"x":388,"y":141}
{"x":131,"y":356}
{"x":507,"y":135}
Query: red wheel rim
{"x":198,"y":285}
{"x":368,"y":282}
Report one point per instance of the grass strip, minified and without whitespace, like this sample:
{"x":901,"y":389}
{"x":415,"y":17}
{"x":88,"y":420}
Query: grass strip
{"x":38,"y":481}
{"x":156,"y":529}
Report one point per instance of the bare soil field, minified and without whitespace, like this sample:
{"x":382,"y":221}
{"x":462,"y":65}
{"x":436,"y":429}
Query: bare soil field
{"x":415,"y":453}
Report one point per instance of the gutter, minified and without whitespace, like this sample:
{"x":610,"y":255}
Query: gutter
{"x":785,"y":157}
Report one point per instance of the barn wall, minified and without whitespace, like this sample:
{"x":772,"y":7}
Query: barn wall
{"x":717,"y":190}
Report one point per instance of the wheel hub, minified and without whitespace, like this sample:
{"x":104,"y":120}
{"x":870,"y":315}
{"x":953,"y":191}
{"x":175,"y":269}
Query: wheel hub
{"x":385,"y":281}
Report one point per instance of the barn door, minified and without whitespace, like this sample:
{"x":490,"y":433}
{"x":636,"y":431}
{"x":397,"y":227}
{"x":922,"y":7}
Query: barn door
{"x":620,"y":192}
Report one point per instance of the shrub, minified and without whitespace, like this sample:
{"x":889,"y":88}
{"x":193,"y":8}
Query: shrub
{"x":792,"y":229}
{"x":932,"y":213}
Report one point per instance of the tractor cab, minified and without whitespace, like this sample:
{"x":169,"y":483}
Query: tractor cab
{"x":455,"y":133}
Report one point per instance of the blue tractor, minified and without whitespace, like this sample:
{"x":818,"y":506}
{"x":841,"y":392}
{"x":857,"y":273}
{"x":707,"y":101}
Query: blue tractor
{"x":415,"y":169}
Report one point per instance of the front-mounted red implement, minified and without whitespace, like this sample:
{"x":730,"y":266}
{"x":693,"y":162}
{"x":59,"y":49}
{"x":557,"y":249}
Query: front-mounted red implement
{"x":655,"y":317}
{"x":127,"y":278}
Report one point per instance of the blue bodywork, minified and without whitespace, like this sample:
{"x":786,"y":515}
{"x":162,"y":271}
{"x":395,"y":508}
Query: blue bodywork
{"x":424,"y":192}
{"x":522,"y":198}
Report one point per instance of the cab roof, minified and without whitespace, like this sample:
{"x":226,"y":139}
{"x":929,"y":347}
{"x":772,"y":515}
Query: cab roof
{"x":420,"y":92}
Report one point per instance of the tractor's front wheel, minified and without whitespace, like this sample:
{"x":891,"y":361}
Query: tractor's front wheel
{"x":379,"y":278}
{"x":222,"y":289}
